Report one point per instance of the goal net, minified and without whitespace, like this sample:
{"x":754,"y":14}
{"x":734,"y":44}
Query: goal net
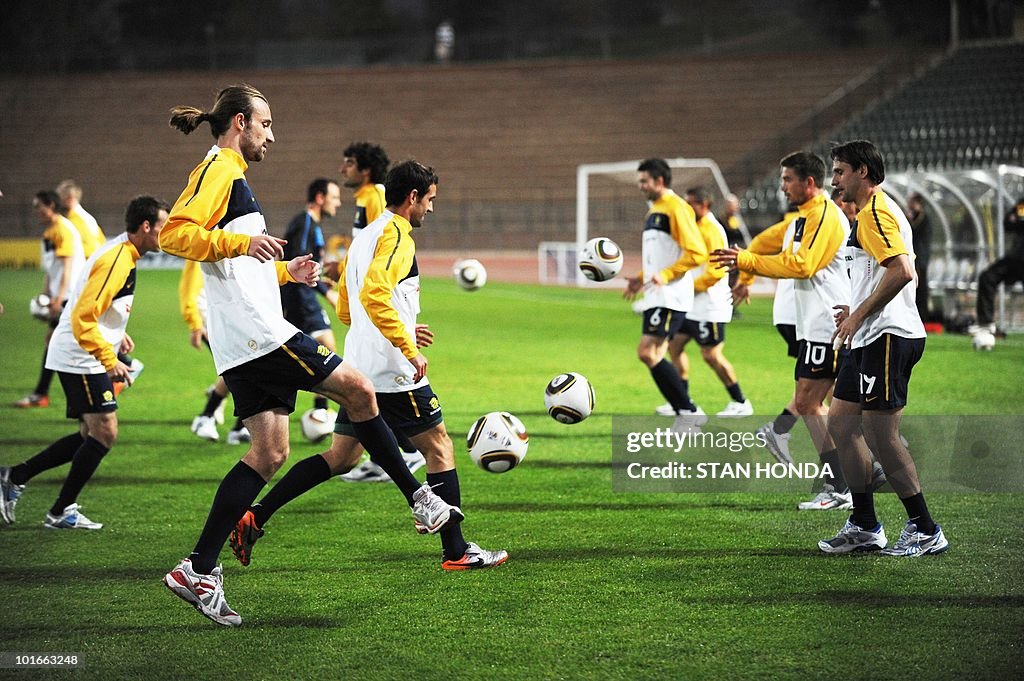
{"x":609,"y":204}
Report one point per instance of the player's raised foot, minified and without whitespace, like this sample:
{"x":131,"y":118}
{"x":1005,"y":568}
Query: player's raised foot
{"x":367,"y":471}
{"x":737,"y":409}
{"x":71,"y":519}
{"x":476,"y":558}
{"x":205,"y":427}
{"x":828,"y":499}
{"x":240,"y":436}
{"x":244,"y":536}
{"x":414,"y":460}
{"x":431,"y":513}
{"x":205,"y":593}
{"x":913,"y":543}
{"x":777,"y":444}
{"x":32,"y":400}
{"x":9,"y":495}
{"x":854,"y":539}
{"x":665,"y":410}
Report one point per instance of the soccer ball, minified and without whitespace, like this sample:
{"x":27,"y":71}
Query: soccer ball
{"x":983,"y":341}
{"x":600,"y":259}
{"x":497,"y":442}
{"x":39,"y":307}
{"x":469,"y":274}
{"x":569,"y":398}
{"x":317,"y":424}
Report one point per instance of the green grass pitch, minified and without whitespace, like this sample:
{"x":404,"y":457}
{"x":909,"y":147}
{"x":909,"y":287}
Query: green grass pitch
{"x":600,"y":585}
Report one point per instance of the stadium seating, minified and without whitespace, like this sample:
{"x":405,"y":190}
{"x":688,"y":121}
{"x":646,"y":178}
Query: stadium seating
{"x":506,"y":138}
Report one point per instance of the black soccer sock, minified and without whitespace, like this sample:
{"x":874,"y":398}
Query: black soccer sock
{"x":784,"y":422}
{"x":57,"y":454}
{"x":446,"y":486}
{"x":917,"y":511}
{"x":45,"y":378}
{"x":378,"y":439}
{"x":302,"y":477}
{"x":864,"y":510}
{"x":212,"y":402}
{"x":735,"y":392}
{"x":837,"y":479}
{"x":237,"y":490}
{"x":319,"y":402}
{"x":87,"y":460}
{"x":671,"y":386}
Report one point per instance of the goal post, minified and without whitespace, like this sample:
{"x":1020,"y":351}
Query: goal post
{"x":608,"y":203}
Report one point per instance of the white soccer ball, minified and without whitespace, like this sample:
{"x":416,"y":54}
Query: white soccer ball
{"x":39,"y":307}
{"x":600,"y":259}
{"x":317,"y":424}
{"x":497,"y":442}
{"x":469,"y":274}
{"x":983,"y":341}
{"x":569,"y":398}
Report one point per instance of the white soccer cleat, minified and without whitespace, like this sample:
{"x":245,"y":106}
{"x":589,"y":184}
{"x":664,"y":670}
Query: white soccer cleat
{"x":240,"y":436}
{"x":414,"y":460}
{"x":665,"y":410}
{"x":777,"y":444}
{"x":828,"y":499}
{"x":913,"y":543}
{"x":367,"y":471}
{"x":205,"y":593}
{"x":854,"y":539}
{"x":9,"y":495}
{"x":737,"y":409}
{"x":476,"y":558}
{"x":70,"y":519}
{"x":431,"y":513}
{"x":206,"y":428}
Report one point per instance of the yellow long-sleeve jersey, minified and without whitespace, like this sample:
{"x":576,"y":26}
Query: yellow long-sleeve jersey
{"x":379,"y":297}
{"x":711,"y":301}
{"x":813,"y":258}
{"x":61,"y":255}
{"x":882,"y":232}
{"x":213,"y":222}
{"x":672,"y":246}
{"x":93,"y":323}
{"x":90,"y":231}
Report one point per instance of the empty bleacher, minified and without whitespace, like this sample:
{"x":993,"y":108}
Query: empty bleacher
{"x":506,"y":138}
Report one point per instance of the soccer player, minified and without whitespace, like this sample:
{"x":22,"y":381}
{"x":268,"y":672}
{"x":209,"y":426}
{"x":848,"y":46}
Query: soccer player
{"x":70,"y":198}
{"x":262,"y":357}
{"x":84,"y":353}
{"x":884,"y":328}
{"x":364,"y":167}
{"x":379,"y":300}
{"x":712,"y":311}
{"x":192,"y":301}
{"x":300,"y":303}
{"x":812,"y":255}
{"x":62,"y":259}
{"x":672,"y":247}
{"x":1007,"y":270}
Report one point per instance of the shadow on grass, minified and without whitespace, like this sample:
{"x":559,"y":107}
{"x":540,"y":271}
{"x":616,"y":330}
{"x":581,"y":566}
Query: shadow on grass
{"x":686,"y":502}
